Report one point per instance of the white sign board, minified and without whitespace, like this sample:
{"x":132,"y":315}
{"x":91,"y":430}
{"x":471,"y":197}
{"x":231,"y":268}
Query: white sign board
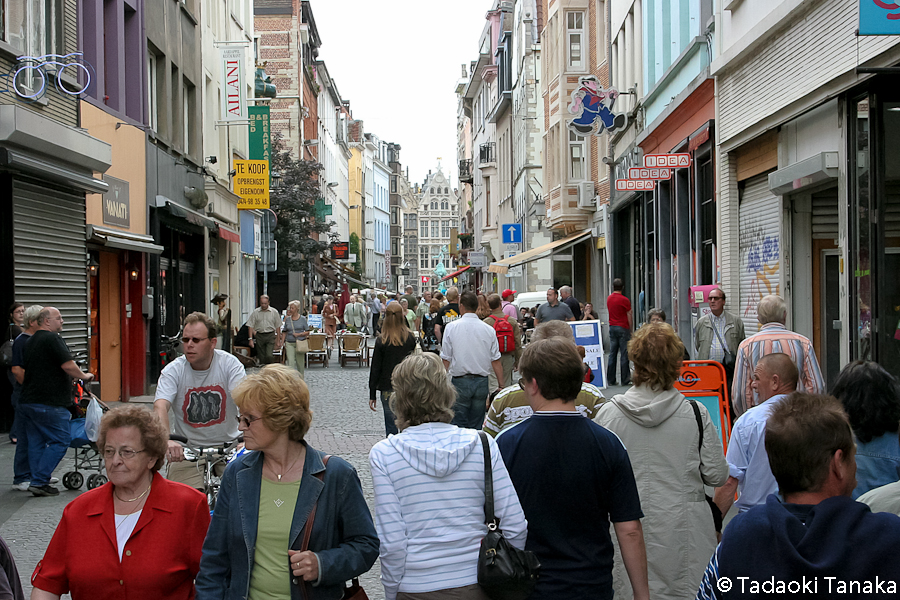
{"x":234,"y":86}
{"x":514,"y":271}
{"x":477,"y":260}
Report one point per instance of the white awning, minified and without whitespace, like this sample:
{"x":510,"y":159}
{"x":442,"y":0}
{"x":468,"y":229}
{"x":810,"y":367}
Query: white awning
{"x":503,"y":266}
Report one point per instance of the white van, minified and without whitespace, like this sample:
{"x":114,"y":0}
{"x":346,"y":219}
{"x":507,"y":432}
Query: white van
{"x":529,"y":299}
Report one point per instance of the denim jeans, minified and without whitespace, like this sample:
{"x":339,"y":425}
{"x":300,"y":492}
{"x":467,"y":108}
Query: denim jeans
{"x":618,"y":344}
{"x":47,"y":430}
{"x":471,"y":397}
{"x":389,"y":425}
{"x":21,"y":468}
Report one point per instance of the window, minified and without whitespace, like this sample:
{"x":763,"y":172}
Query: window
{"x":577,"y":148}
{"x":393,"y":184}
{"x":423,"y":257}
{"x":395,"y":247}
{"x":395,"y":215}
{"x":445,"y":228}
{"x":153,"y":91}
{"x":423,"y":228}
{"x":412,"y":220}
{"x":445,"y":205}
{"x":435,"y":228}
{"x":434,"y":257}
{"x":575,"y":40}
{"x":707,"y":221}
{"x":434,"y":205}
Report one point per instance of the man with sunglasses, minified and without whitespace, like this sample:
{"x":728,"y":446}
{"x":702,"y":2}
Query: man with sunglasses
{"x":197,"y":386}
{"x":718,"y":334}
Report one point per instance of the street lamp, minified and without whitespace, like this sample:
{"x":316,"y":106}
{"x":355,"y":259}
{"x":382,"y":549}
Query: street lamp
{"x":276,"y":179}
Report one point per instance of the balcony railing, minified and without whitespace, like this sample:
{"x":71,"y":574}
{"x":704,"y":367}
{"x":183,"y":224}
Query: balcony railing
{"x":466,"y":173}
{"x":486,"y":153}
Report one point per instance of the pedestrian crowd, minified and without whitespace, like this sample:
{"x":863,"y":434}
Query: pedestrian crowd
{"x":623,"y":497}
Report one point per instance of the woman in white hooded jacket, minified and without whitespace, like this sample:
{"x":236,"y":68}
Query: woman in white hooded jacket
{"x":659,"y":427}
{"x":429,"y":491}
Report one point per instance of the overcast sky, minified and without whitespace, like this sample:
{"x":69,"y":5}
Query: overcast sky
{"x":397,"y":62}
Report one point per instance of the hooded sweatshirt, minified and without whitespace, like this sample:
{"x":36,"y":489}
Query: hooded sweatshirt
{"x":429,"y":507}
{"x":837,"y":548}
{"x":661,"y":433}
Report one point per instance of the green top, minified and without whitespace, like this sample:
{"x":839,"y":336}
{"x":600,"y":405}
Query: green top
{"x":271,"y":576}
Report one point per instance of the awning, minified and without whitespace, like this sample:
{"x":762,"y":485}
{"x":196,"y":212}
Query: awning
{"x":342,"y":272}
{"x":48,"y":170}
{"x":503,"y":266}
{"x":191,"y":216}
{"x":228,"y":234}
{"x":123,"y":240}
{"x":456,"y":273}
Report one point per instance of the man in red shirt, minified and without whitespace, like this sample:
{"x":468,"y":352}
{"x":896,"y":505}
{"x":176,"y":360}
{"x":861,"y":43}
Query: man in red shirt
{"x":620,"y":323}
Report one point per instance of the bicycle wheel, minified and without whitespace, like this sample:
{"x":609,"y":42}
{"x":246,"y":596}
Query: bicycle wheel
{"x":29,"y":81}
{"x":79,"y":72}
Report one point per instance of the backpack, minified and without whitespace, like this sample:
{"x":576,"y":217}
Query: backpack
{"x":505,"y":337}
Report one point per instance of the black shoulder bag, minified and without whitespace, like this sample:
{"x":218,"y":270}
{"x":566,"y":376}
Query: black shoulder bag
{"x":716,"y":513}
{"x":504,"y":571}
{"x":728,"y":359}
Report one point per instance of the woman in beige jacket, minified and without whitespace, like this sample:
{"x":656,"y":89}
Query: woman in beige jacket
{"x":659,"y":427}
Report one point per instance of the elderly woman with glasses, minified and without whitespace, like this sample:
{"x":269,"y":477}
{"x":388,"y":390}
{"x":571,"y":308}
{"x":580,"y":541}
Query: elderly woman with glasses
{"x":254,"y":548}
{"x":137,"y":536}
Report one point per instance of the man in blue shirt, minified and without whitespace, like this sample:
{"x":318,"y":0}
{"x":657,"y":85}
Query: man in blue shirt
{"x":573,"y":478}
{"x":774,"y":377}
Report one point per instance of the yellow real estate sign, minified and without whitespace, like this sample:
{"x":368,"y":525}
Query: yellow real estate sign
{"x":251,"y":183}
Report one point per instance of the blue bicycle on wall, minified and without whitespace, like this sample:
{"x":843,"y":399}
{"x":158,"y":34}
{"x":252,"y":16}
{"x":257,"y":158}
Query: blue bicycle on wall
{"x":69,"y":73}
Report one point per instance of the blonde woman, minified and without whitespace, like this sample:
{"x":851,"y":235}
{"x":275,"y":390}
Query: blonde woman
{"x":395,"y":343}
{"x":295,"y":329}
{"x":254,"y":540}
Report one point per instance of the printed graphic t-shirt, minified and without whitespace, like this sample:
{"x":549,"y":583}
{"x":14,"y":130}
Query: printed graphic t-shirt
{"x":447,"y":315}
{"x":201,"y":400}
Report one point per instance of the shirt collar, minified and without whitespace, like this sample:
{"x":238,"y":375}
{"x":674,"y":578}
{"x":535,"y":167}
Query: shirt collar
{"x":470,"y":316}
{"x":774,"y":325}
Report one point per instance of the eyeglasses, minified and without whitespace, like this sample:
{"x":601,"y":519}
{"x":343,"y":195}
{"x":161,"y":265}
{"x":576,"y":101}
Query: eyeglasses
{"x":522,"y":384}
{"x":711,"y":298}
{"x":186,"y":340}
{"x":125,"y":453}
{"x":247,"y":421}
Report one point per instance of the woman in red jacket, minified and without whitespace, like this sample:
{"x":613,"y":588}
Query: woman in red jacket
{"x":139,"y":536}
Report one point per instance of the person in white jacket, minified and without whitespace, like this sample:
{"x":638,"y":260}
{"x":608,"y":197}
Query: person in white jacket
{"x":429,"y":490}
{"x":671,"y":465}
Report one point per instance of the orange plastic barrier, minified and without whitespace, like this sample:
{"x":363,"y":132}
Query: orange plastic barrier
{"x":705,"y":382}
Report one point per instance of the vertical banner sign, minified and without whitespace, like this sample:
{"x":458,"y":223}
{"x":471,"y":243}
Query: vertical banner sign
{"x":879,"y":17}
{"x":260,"y":134}
{"x":234,"y":101}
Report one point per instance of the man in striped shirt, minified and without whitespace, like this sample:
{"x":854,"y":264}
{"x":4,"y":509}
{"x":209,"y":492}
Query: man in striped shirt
{"x":773,"y":337}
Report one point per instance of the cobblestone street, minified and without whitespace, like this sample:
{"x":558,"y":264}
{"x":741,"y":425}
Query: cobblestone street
{"x":342,"y":425}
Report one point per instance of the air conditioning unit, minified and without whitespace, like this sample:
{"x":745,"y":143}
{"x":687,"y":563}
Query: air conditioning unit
{"x":586,"y":194}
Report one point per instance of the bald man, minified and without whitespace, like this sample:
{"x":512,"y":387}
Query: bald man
{"x":774,"y":378}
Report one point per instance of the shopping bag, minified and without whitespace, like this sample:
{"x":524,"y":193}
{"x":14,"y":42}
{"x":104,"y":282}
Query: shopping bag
{"x":92,"y":420}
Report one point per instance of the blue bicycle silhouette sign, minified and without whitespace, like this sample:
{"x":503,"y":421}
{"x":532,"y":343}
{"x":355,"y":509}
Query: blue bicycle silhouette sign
{"x":31,"y":75}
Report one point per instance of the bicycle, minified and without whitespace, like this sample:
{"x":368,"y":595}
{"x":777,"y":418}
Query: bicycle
{"x":212,"y":456}
{"x":170,"y":348}
{"x":30,"y":74}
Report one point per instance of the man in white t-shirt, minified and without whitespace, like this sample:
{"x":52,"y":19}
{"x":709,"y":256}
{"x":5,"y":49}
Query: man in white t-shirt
{"x":197,"y":386}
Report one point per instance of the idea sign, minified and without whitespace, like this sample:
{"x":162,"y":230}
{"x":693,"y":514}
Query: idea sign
{"x":667,"y":160}
{"x":634,"y":185}
{"x":639,"y":173}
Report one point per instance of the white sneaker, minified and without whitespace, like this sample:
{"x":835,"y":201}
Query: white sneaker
{"x":23,"y":487}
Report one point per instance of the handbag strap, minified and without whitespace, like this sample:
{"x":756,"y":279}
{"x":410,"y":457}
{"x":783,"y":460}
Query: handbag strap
{"x":697,"y":416}
{"x":307,"y":529}
{"x":489,"y":519}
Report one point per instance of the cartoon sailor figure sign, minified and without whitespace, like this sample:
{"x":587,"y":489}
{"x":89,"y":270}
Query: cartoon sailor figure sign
{"x":592,"y":104}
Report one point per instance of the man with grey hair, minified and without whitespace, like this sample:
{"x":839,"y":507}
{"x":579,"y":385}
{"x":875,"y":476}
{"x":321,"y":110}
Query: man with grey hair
{"x":46,"y":396}
{"x":566,"y":297}
{"x":773,"y":336}
{"x":510,"y":406}
{"x":355,"y":314}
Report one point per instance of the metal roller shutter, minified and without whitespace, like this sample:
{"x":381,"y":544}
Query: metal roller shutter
{"x":825,"y":214}
{"x":760,"y":247}
{"x":50,"y":255}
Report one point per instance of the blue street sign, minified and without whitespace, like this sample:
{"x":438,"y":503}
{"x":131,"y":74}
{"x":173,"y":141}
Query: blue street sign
{"x":512,"y":233}
{"x":877,"y":17}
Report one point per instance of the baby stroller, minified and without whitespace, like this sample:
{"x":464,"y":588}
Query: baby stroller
{"x":87,"y":455}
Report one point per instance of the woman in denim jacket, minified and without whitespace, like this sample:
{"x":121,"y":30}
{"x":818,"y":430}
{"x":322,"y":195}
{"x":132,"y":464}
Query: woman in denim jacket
{"x":254,"y":540}
{"x":871,"y":397}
